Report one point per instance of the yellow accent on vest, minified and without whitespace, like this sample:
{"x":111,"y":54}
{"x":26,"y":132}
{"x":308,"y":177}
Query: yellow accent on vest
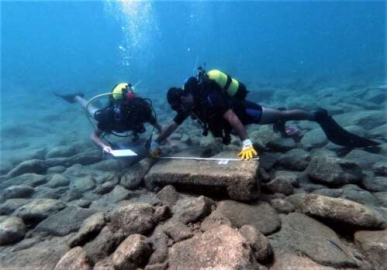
{"x":221,"y":79}
{"x":118,"y":90}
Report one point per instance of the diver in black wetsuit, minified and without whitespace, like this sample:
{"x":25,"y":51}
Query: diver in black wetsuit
{"x":218,"y":102}
{"x":125,"y":112}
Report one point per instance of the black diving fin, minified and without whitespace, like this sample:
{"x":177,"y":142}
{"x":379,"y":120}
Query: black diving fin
{"x":339,"y":135}
{"x":70,"y":98}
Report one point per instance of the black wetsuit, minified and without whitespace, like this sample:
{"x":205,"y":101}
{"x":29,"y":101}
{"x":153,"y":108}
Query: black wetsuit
{"x":210,"y":105}
{"x":128,"y":115}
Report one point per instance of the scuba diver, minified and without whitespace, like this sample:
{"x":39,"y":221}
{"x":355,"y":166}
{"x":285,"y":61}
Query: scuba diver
{"x":125,"y":112}
{"x":218,"y":102}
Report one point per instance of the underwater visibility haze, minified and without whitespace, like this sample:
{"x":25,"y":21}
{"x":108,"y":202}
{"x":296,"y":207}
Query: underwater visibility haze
{"x":289,"y":54}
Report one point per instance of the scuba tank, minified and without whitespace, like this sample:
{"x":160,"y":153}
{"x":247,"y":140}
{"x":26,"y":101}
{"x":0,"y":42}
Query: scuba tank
{"x":226,"y":83}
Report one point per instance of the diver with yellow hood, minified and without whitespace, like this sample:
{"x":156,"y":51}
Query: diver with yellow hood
{"x":125,"y":112}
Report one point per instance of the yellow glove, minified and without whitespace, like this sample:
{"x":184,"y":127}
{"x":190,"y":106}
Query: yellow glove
{"x":154,"y":151}
{"x":248,"y":151}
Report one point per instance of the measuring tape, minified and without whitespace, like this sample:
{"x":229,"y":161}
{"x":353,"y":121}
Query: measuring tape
{"x":221,"y":161}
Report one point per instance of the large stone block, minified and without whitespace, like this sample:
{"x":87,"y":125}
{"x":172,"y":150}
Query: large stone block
{"x":219,"y":248}
{"x":239,"y":179}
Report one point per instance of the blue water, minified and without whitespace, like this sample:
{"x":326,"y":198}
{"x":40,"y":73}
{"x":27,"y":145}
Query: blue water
{"x":93,"y":44}
{"x":90,"y":46}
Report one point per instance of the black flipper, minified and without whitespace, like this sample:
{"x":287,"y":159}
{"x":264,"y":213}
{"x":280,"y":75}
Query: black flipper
{"x":339,"y":135}
{"x":70,"y":98}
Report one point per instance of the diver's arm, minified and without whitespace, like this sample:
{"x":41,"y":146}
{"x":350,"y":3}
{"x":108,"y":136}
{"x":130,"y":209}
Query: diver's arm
{"x":167,"y":131}
{"x":156,"y":126}
{"x":96,"y":138}
{"x":236,"y":124}
{"x":248,"y":152}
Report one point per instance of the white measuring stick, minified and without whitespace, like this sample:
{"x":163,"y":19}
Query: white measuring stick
{"x":199,"y":158}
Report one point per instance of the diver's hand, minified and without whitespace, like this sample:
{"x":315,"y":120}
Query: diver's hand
{"x":154,"y":150}
{"x":248,"y":151}
{"x":107,"y":149}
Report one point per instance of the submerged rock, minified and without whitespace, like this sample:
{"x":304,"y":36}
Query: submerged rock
{"x":39,"y":209}
{"x":86,"y":157}
{"x":100,"y":177}
{"x":61,"y":151}
{"x":314,"y":139}
{"x":375,"y":184}
{"x":133,"y":218}
{"x":329,"y":192}
{"x":368,"y":119}
{"x":132,"y":253}
{"x":104,"y":188}
{"x":12,"y":230}
{"x":110,"y":200}
{"x":365,"y":159}
{"x":83,"y":184}
{"x":113,"y":165}
{"x":334,"y":171}
{"x":279,"y":185}
{"x":195,"y":209}
{"x":44,"y":192}
{"x":158,"y":266}
{"x":177,"y":231}
{"x":160,"y":247}
{"x":301,"y":234}
{"x":64,"y":222}
{"x":259,"y":215}
{"x":58,"y":180}
{"x":56,"y":169}
{"x":222,"y":248}
{"x":340,"y":211}
{"x":90,"y":228}
{"x":103,"y":245}
{"x":237,"y":178}
{"x":43,"y":255}
{"x":27,"y":179}
{"x":258,"y":243}
{"x":295,"y":159}
{"x":21,"y":191}
{"x":214,"y":220}
{"x":134,"y":176}
{"x":380,"y":168}
{"x":374,"y":244}
{"x":168,"y":195}
{"x":74,"y":259}
{"x":358,"y":195}
{"x":282,"y":144}
{"x":282,"y":206}
{"x":105,"y":264}
{"x":382,"y":198}
{"x":11,"y":205}
{"x":29,"y":166}
{"x":288,"y":260}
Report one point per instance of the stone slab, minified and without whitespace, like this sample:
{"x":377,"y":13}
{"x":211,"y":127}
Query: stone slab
{"x":238,"y":178}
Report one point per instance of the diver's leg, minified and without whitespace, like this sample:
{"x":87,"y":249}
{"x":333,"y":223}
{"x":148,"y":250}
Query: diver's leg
{"x":78,"y":97}
{"x":331,"y":128}
{"x":278,"y":118}
{"x":83,"y":102}
{"x":272,"y":116}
